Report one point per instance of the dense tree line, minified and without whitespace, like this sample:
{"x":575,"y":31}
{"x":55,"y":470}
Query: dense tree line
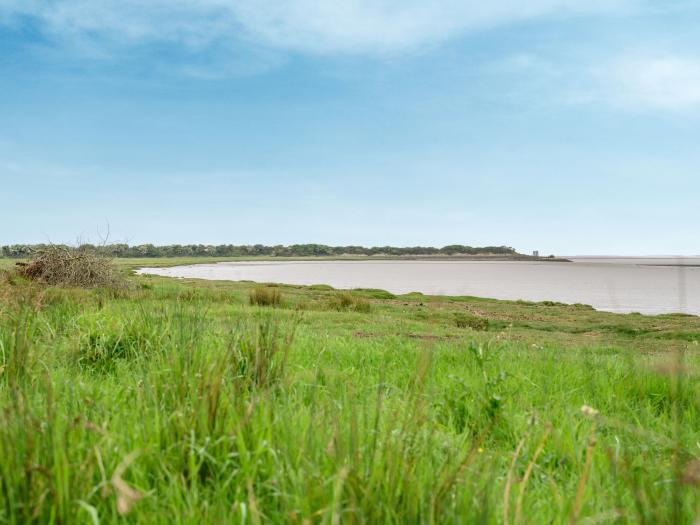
{"x":230,"y":250}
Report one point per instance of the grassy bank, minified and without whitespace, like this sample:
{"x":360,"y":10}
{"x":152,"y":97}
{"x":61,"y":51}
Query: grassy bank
{"x":199,"y":402}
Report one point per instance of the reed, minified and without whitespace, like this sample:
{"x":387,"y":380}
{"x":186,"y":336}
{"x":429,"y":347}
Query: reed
{"x":265,"y":296}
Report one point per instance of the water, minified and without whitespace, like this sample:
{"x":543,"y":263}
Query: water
{"x":648,"y":286}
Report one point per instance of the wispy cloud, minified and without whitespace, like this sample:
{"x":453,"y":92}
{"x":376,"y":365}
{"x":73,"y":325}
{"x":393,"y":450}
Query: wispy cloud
{"x":229,"y":28}
{"x":629,"y":81}
{"x":316,"y":26}
{"x":657,"y":83}
{"x":392,"y":25}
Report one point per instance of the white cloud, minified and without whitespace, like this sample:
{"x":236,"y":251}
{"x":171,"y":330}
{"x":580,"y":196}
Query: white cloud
{"x":631,"y":82}
{"x":317,"y":26}
{"x":391,"y":25}
{"x":665,"y":83}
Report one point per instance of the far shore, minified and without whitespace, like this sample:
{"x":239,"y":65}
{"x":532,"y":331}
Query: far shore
{"x":161,"y":262}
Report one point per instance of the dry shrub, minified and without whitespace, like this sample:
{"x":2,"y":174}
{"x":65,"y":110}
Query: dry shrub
{"x":265,"y":296}
{"x":6,"y":284}
{"x":348,"y":301}
{"x":60,"y":266}
{"x":15,"y":293}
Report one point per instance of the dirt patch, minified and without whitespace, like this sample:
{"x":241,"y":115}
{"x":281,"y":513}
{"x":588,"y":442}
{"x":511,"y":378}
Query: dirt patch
{"x":362,"y":334}
{"x":422,"y":337}
{"x":430,"y":337}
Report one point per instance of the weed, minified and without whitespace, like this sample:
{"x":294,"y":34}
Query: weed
{"x":17,"y":331}
{"x":260,"y":351}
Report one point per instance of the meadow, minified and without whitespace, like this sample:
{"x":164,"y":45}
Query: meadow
{"x":176,"y":401}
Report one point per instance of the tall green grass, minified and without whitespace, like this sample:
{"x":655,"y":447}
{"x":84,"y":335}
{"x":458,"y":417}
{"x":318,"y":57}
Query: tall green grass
{"x":168,"y":403}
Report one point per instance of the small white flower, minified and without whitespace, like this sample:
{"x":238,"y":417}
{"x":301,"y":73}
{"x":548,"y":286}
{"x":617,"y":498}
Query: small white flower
{"x":589,"y":411}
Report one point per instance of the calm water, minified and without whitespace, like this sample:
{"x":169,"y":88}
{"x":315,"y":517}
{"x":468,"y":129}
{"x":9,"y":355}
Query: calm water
{"x":647,"y":286}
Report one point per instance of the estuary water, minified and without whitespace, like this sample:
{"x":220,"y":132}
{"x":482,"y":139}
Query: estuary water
{"x":645,"y":285}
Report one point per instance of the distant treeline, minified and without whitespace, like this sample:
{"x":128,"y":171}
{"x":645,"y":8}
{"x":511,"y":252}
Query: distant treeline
{"x":229,"y":250}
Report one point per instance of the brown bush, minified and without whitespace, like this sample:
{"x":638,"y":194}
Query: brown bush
{"x":60,"y":266}
{"x":265,"y":296}
{"x":348,"y":301}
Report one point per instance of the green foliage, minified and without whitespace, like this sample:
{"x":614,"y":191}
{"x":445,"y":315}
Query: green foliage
{"x":229,"y":250}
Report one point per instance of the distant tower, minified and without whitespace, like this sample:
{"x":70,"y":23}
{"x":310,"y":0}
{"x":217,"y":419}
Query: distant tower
{"x":536,"y":253}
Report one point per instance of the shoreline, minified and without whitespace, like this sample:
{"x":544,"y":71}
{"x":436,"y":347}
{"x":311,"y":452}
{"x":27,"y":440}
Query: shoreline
{"x":166,"y":262}
{"x":606,"y":287}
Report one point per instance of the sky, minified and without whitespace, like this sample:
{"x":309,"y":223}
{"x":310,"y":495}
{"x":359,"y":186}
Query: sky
{"x":564,"y":126}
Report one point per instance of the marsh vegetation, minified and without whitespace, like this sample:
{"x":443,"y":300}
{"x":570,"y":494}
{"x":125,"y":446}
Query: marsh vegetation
{"x":192,"y":402}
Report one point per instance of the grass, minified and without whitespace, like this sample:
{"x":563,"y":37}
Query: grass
{"x":350,"y":301}
{"x":464,"y":320}
{"x":177,"y":401}
{"x":265,"y":296}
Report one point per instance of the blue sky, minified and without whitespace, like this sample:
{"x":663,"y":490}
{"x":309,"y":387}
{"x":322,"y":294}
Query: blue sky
{"x":561,"y":125}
